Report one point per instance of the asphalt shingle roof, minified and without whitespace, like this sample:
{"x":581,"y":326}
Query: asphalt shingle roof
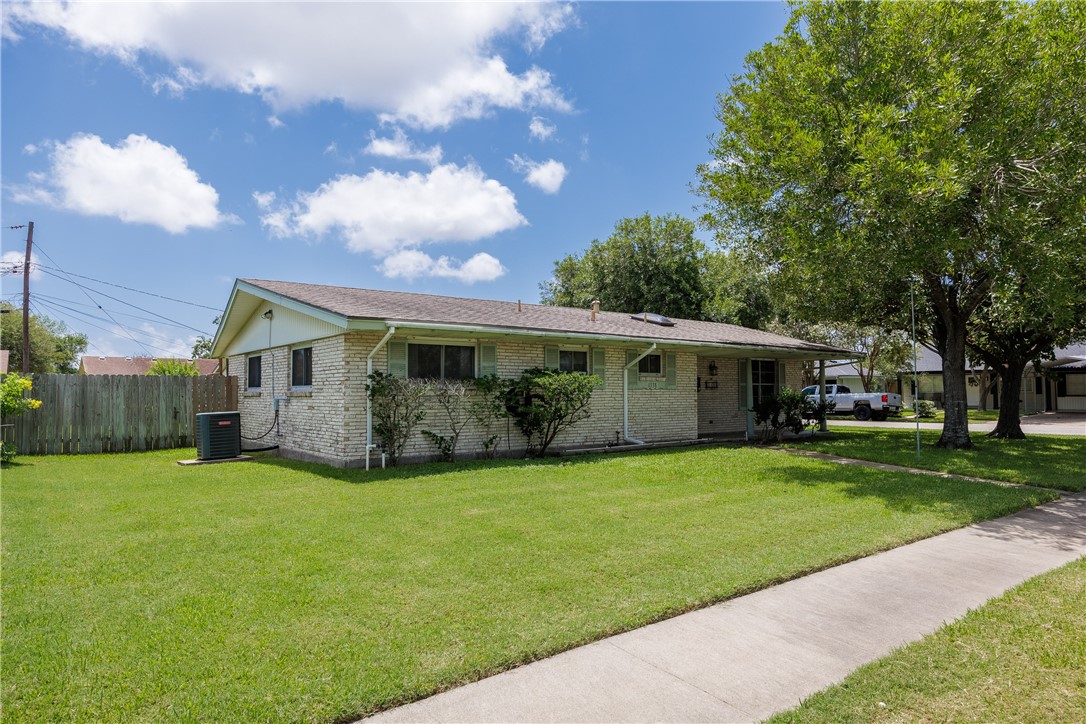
{"x":427,"y":308}
{"x":136,"y":365}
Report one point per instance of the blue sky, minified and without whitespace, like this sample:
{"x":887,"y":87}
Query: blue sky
{"x":442,"y":148}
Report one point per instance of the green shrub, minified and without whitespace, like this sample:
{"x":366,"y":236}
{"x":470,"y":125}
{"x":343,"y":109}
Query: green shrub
{"x":924,"y":408}
{"x":173,"y":368}
{"x":486,"y":408}
{"x":398,"y":406}
{"x":452,"y":399}
{"x":787,"y":410}
{"x":14,"y":400}
{"x":545,"y":402}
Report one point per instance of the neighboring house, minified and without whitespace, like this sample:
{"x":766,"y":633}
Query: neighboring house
{"x":305,"y":350}
{"x":1059,"y":385}
{"x":90,"y":365}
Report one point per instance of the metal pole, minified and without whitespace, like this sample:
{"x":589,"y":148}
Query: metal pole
{"x":916,"y":384}
{"x":26,"y":299}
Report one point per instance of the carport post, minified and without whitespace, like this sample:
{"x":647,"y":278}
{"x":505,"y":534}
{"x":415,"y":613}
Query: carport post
{"x":822,"y":395}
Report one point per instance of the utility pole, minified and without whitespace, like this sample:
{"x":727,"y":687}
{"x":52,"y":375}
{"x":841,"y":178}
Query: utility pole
{"x":26,"y":299}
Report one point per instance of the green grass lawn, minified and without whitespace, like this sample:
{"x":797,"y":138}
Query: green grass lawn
{"x":1020,"y":657}
{"x":1049,"y":461}
{"x":137,"y":589}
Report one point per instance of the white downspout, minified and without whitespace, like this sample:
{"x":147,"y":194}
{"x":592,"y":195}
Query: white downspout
{"x":626,"y":397}
{"x":369,"y":403}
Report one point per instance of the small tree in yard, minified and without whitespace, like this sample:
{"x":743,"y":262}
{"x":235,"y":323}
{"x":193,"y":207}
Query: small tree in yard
{"x":545,"y":402}
{"x":788,"y":410}
{"x":14,"y":401}
{"x":486,"y":408}
{"x":173,"y":368}
{"x":398,"y":407}
{"x":451,"y":397}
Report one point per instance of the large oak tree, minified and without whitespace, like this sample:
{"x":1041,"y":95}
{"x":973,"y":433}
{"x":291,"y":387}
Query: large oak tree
{"x":876,"y":146}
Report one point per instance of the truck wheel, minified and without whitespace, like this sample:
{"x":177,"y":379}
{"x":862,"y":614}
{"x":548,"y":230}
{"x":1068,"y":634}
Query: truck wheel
{"x":862,"y":413}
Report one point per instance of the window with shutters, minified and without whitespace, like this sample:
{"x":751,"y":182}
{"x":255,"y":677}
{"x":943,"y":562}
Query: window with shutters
{"x":301,"y":367}
{"x":440,"y":361}
{"x":252,"y":379}
{"x":763,"y":379}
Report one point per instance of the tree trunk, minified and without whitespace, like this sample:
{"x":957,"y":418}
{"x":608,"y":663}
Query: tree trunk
{"x":955,"y":409}
{"x":1009,"y":426}
{"x":984,"y":385}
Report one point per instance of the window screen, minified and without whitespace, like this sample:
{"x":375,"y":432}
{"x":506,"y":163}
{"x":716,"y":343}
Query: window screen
{"x":252,"y":379}
{"x":573,"y":361}
{"x":301,"y":367}
{"x":650,"y":364}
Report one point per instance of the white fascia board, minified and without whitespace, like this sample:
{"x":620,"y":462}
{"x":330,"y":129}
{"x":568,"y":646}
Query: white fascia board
{"x":513,"y":332}
{"x":301,"y":307}
{"x":245,"y":296}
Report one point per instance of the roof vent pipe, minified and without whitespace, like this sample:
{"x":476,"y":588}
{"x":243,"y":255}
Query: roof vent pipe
{"x":519,"y":308}
{"x":595,"y":309}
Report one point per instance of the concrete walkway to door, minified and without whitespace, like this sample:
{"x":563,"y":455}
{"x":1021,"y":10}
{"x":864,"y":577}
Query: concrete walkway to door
{"x":747,"y":658}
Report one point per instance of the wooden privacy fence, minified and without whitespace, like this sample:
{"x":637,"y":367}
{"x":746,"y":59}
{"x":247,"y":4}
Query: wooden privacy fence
{"x":116,"y":413}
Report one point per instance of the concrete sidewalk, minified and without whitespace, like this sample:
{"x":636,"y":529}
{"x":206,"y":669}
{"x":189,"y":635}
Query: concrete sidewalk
{"x":747,"y":658}
{"x":1045,"y":423}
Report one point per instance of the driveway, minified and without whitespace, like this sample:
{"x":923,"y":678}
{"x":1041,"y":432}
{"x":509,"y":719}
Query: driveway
{"x":1045,"y":423}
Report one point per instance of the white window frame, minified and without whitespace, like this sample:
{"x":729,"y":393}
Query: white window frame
{"x":297,"y":348}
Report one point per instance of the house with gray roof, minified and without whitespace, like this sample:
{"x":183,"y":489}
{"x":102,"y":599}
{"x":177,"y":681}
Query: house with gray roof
{"x":302,"y":354}
{"x":102,"y":365}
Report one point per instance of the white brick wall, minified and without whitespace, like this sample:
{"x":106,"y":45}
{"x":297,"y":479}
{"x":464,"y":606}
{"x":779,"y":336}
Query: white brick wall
{"x":328,"y":421}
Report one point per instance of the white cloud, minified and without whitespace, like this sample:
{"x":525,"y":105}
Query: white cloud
{"x":274,"y":122}
{"x":386,"y":213}
{"x":31,"y":148}
{"x":425,"y":64}
{"x":11,"y":264}
{"x":399,"y":146}
{"x":547,"y":176}
{"x":137,"y":181}
{"x":411,"y":264}
{"x":540,"y":128}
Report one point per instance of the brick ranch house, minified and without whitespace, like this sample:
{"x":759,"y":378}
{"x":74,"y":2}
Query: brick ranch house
{"x":305,"y":350}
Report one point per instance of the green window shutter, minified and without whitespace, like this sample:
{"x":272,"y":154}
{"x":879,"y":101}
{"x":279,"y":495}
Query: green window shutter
{"x":633,"y":379}
{"x":671,"y":371}
{"x":488,"y":360}
{"x":742,"y":384}
{"x":599,"y":365}
{"x":550,"y":358}
{"x":397,"y":359}
{"x":782,"y":378}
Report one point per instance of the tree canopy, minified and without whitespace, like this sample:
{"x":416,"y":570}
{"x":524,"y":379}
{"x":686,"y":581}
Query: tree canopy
{"x":53,"y":347}
{"x":647,"y":264}
{"x":874,"y":146}
{"x":656,"y":264}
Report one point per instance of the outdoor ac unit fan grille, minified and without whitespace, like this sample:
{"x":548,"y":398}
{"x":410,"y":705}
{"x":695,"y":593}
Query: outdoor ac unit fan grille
{"x":218,"y":435}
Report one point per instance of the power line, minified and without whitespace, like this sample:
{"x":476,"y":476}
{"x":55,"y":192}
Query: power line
{"x":37,"y":311}
{"x":138,"y":343}
{"x":121,"y":286}
{"x":145,"y":347}
{"x":134,"y":306}
{"x":84,"y":304}
{"x":53,"y":304}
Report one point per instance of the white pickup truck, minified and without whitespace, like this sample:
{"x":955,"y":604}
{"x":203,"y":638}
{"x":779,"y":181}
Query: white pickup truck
{"x":861,"y":405}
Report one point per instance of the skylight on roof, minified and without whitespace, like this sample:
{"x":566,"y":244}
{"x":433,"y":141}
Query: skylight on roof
{"x":653,"y":319}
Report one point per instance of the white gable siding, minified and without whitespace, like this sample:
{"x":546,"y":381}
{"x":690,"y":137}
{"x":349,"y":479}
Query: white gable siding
{"x":287,"y":327}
